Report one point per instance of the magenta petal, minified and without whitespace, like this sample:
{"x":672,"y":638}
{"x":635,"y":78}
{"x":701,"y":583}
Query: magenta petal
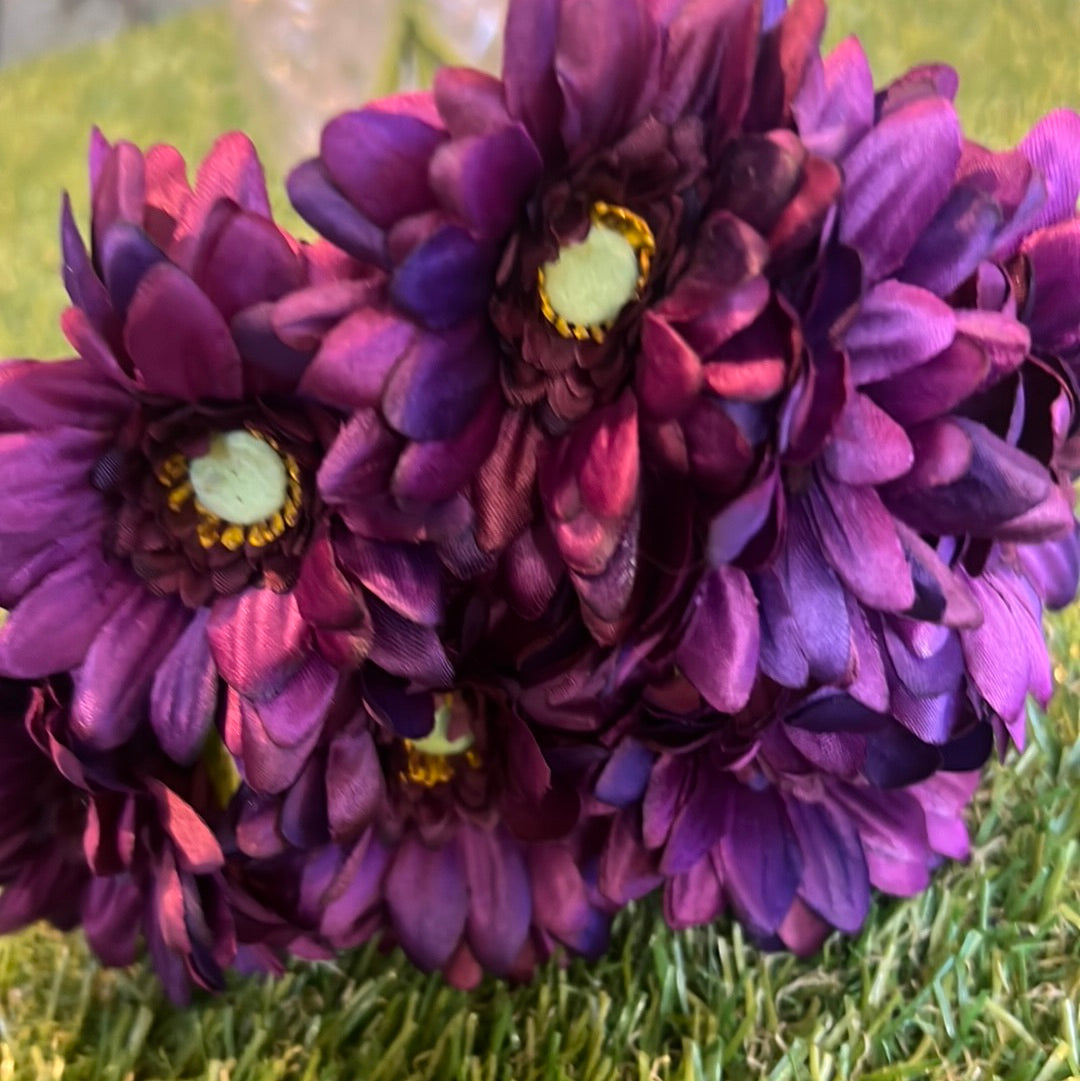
{"x":859,"y":539}
{"x":668,"y":370}
{"x":429,"y":903}
{"x":486,"y":179}
{"x":892,"y":829}
{"x":436,"y":471}
{"x":500,"y":905}
{"x":896,"y":179}
{"x":178,"y":341}
{"x":380,"y":161}
{"x":197,"y":850}
{"x":719,"y":651}
{"x":232,"y":171}
{"x":351,"y":367}
{"x":532,"y":94}
{"x":259,"y":641}
{"x":355,"y":788}
{"x":360,"y":460}
{"x":184,"y":693}
{"x":112,"y":910}
{"x":300,"y":707}
{"x":606,"y":62}
{"x":59,"y":394}
{"x":245,"y":259}
{"x":53,"y":626}
{"x":868,"y":446}
{"x":694,"y":897}
{"x":113,"y":684}
{"x":470,"y":102}
{"x":406,"y":577}
{"x":1053,"y":146}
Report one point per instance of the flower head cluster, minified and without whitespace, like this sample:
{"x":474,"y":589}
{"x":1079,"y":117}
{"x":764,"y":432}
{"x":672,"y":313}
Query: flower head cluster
{"x":652,"y":480}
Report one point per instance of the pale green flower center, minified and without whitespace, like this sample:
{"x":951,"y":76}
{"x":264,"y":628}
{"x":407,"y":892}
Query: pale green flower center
{"x":583,"y":291}
{"x":241,"y":479}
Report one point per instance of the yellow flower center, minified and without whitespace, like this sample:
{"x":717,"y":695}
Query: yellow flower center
{"x":583,"y":291}
{"x":245,"y":489}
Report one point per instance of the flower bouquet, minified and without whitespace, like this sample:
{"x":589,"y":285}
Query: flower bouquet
{"x":651,"y":480}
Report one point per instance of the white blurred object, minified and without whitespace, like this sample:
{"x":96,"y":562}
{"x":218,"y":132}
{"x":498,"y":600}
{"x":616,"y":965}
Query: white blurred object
{"x":310,"y":59}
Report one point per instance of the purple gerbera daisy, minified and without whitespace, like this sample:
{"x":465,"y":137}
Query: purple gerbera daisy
{"x":162,"y":523}
{"x":435,"y":820}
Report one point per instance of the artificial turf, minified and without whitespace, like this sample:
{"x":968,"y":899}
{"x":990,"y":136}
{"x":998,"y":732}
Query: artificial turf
{"x":979,"y":978}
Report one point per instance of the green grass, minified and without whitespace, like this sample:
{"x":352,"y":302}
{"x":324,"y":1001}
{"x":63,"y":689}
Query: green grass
{"x":979,"y":978}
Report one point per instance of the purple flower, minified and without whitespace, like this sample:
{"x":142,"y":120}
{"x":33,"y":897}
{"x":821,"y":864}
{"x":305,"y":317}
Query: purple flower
{"x":790,"y":822}
{"x":163,"y":525}
{"x":583,"y":242}
{"x":434,"y":820}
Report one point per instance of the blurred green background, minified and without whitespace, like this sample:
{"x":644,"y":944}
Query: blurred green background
{"x":979,"y":978}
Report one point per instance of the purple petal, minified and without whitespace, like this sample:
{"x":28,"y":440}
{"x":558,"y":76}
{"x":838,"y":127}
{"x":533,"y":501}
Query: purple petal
{"x":323,"y":207}
{"x":702,"y":821}
{"x":83,"y":286}
{"x":429,"y":903}
{"x":127,"y":254}
{"x":183,"y":698}
{"x":606,"y":62}
{"x":835,"y":107}
{"x":719,"y":652}
{"x":859,"y":539}
{"x":445,"y":279}
{"x":380,"y":162}
{"x":112,"y":686}
{"x":951,"y":247}
{"x":1053,"y":147}
{"x":53,"y":626}
{"x":626,"y":774}
{"x":896,"y":180}
{"x":59,"y":394}
{"x":178,"y":341}
{"x":356,"y":357}
{"x":763,"y":864}
{"x":486,"y":179}
{"x":300,"y":707}
{"x":1054,"y":307}
{"x":355,"y":788}
{"x":532,"y":93}
{"x":440,"y":383}
{"x":835,"y":882}
{"x":898,"y":327}
{"x":470,"y":102}
{"x":406,"y":577}
{"x":406,"y":649}
{"x":500,"y":905}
